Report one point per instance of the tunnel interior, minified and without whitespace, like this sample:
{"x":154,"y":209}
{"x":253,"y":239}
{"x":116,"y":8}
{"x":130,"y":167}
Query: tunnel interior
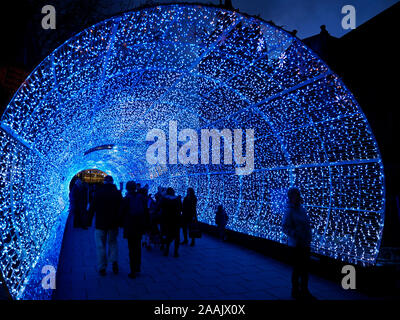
{"x":92,"y":101}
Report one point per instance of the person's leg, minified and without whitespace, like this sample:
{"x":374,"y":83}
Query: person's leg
{"x":185,"y":233}
{"x":163,"y":240}
{"x":295,"y":273}
{"x":131,"y":250}
{"x":168,"y":241}
{"x":113,"y":248}
{"x":221,"y":229}
{"x":303,"y":272}
{"x":100,"y":240}
{"x":176,"y":244}
{"x":132,"y":246}
{"x":137,"y":254}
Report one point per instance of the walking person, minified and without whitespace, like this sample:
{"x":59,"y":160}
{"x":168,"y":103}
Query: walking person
{"x":296,"y":225}
{"x":106,"y":205}
{"x":189,"y":214}
{"x":221,"y":220}
{"x":78,"y":203}
{"x":171,"y":207}
{"x":134,"y":215}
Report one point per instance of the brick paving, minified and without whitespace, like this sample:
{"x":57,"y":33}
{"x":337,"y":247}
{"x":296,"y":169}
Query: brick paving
{"x":210,"y":270}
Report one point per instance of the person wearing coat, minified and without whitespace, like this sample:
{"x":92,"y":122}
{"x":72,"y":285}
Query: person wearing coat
{"x":134,"y":217}
{"x":296,"y":225}
{"x":106,"y":204}
{"x":78,"y":204}
{"x":171,"y":207}
{"x":189,"y":214}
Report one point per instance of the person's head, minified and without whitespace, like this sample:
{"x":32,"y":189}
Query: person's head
{"x":159,"y":189}
{"x":108,"y":180}
{"x":170,"y":191}
{"x":294,"y":196}
{"x":190,"y":192}
{"x":138,"y":186}
{"x":131,"y":186}
{"x":220,"y":208}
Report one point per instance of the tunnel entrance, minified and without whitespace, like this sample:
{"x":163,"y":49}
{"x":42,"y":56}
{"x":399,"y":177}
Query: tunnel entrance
{"x":89,"y":176}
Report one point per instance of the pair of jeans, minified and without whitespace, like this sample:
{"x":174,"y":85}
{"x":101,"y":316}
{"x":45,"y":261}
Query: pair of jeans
{"x":102,"y":238}
{"x":135,"y":253}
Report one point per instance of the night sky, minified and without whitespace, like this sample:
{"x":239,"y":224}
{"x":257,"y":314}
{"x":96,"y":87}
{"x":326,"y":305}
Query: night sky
{"x":307,"y":16}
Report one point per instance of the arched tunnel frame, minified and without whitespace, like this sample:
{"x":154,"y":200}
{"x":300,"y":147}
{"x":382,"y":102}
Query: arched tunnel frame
{"x":204,"y":67}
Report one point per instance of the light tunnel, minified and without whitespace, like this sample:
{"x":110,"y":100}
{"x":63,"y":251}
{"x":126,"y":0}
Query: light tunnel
{"x":205,"y":68}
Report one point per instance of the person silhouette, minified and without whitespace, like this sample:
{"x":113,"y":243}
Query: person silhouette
{"x":296,"y":225}
{"x":171,"y":207}
{"x":189,"y":214}
{"x":134,"y":216}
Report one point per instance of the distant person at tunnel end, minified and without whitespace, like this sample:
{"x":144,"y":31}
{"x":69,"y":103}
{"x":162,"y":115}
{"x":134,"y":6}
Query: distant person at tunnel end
{"x":135,"y":221}
{"x":106,"y":206}
{"x":296,"y":225}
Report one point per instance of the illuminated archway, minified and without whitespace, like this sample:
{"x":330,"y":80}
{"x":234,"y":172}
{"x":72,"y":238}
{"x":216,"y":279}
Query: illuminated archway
{"x":204,"y":67}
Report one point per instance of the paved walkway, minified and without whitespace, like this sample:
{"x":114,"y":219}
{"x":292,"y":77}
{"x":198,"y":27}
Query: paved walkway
{"x":210,"y":270}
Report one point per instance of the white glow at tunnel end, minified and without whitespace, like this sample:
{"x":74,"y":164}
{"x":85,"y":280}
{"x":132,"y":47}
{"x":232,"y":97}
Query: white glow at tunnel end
{"x":205,"y":68}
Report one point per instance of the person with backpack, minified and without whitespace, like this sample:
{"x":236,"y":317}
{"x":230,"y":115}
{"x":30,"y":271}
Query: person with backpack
{"x":134,"y":219}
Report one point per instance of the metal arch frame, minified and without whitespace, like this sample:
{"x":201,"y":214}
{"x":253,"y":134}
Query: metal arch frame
{"x":254,"y":106}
